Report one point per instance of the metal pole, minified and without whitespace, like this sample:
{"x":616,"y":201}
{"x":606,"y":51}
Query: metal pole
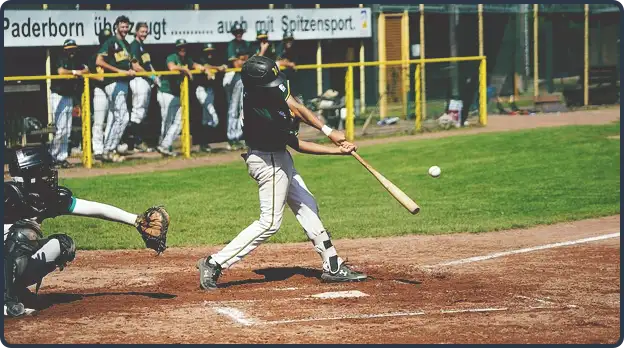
{"x":405,"y":56}
{"x":381,"y":39}
{"x":481,"y":30}
{"x":535,"y":52}
{"x":362,"y":77}
{"x":186,"y":132}
{"x":48,"y":69}
{"x":418,"y":110}
{"x":586,"y":65}
{"x":422,"y":63}
{"x":349,"y":100}
{"x":87,"y":159}
{"x":319,"y":60}
{"x":483,"y":92}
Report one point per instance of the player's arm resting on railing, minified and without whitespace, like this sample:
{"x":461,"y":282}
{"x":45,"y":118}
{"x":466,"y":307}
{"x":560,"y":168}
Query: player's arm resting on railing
{"x":303,"y":146}
{"x":307,"y":116}
{"x":136,"y":66}
{"x":63,"y":71}
{"x":286,"y":62}
{"x":99,"y":61}
{"x":174,"y":67}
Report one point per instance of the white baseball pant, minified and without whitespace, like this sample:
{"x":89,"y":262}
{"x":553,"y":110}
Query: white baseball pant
{"x":116,"y":93}
{"x":101,"y":111}
{"x":205,"y":96}
{"x":278,"y":184}
{"x":62,"y":111}
{"x":233,"y":86}
{"x":141,"y":93}
{"x":171,"y":114}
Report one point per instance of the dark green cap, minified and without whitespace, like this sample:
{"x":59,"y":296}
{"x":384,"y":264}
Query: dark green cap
{"x":180,"y":42}
{"x":208,"y":47}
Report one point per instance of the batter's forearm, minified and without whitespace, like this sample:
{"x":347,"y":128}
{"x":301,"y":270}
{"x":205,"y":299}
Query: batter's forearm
{"x":305,"y":114}
{"x":102,"y":211}
{"x":316,"y":149}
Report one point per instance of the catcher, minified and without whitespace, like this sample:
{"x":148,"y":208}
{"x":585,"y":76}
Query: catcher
{"x":33,"y":195}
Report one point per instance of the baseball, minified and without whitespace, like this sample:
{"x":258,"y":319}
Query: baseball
{"x":435,"y":171}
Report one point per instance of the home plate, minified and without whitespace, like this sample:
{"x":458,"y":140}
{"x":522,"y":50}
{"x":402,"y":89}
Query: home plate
{"x":340,"y":294}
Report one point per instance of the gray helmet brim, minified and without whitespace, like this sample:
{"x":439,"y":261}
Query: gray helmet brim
{"x":281,"y":77}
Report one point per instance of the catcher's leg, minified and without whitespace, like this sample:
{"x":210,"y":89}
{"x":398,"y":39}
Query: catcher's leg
{"x":271,"y":172}
{"x":28,"y":258}
{"x":302,"y":203}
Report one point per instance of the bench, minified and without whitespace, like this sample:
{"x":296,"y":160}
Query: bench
{"x":603,"y":87}
{"x":549,"y":103}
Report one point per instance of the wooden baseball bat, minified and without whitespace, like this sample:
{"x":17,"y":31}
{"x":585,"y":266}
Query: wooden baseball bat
{"x":396,"y":192}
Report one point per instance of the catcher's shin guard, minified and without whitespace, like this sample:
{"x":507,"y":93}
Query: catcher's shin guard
{"x":23,"y":240}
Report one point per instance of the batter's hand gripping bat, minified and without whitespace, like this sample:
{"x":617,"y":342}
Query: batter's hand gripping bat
{"x":399,"y":195}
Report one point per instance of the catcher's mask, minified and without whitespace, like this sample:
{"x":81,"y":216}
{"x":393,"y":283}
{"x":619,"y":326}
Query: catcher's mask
{"x":33,"y":166}
{"x":261,"y":72}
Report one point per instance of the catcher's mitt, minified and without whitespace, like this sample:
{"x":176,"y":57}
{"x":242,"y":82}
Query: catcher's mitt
{"x":153,"y":225}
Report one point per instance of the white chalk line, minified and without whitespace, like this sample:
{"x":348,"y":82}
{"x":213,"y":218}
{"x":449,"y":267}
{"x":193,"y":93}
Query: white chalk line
{"x":524,"y":250}
{"x":235,"y":314}
{"x":322,"y":296}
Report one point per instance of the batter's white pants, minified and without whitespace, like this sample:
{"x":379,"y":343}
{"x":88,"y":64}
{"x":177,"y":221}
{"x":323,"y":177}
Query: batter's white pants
{"x":141,"y":93}
{"x":233,"y":86}
{"x":171,"y":114}
{"x":116,"y":93}
{"x":278,"y":184}
{"x":205,"y":96}
{"x":62,"y":111}
{"x":101,"y":111}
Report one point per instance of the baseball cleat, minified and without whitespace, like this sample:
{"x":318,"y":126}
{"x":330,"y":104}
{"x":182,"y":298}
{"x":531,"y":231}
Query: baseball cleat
{"x":344,"y":274}
{"x":16,"y":309}
{"x":166,"y":152}
{"x":208,"y":274}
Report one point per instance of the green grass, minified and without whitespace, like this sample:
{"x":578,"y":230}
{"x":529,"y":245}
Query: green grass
{"x":489,"y":182}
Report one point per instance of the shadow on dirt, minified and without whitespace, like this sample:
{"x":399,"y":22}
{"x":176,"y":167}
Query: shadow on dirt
{"x":44,"y":301}
{"x":275,"y":275}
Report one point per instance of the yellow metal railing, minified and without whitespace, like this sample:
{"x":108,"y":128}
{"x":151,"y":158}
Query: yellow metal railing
{"x":185,"y":138}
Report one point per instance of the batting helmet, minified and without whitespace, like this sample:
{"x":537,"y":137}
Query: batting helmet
{"x":262,"y":72}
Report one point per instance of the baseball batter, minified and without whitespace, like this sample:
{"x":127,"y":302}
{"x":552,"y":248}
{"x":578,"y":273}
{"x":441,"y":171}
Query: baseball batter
{"x":270,"y":124}
{"x":32,"y":196}
{"x":205,"y":93}
{"x":62,"y":100}
{"x":114,"y":56}
{"x":141,"y":86}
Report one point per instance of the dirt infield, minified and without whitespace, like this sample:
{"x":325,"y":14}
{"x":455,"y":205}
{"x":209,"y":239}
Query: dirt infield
{"x":532,"y":291}
{"x":495,"y":124}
